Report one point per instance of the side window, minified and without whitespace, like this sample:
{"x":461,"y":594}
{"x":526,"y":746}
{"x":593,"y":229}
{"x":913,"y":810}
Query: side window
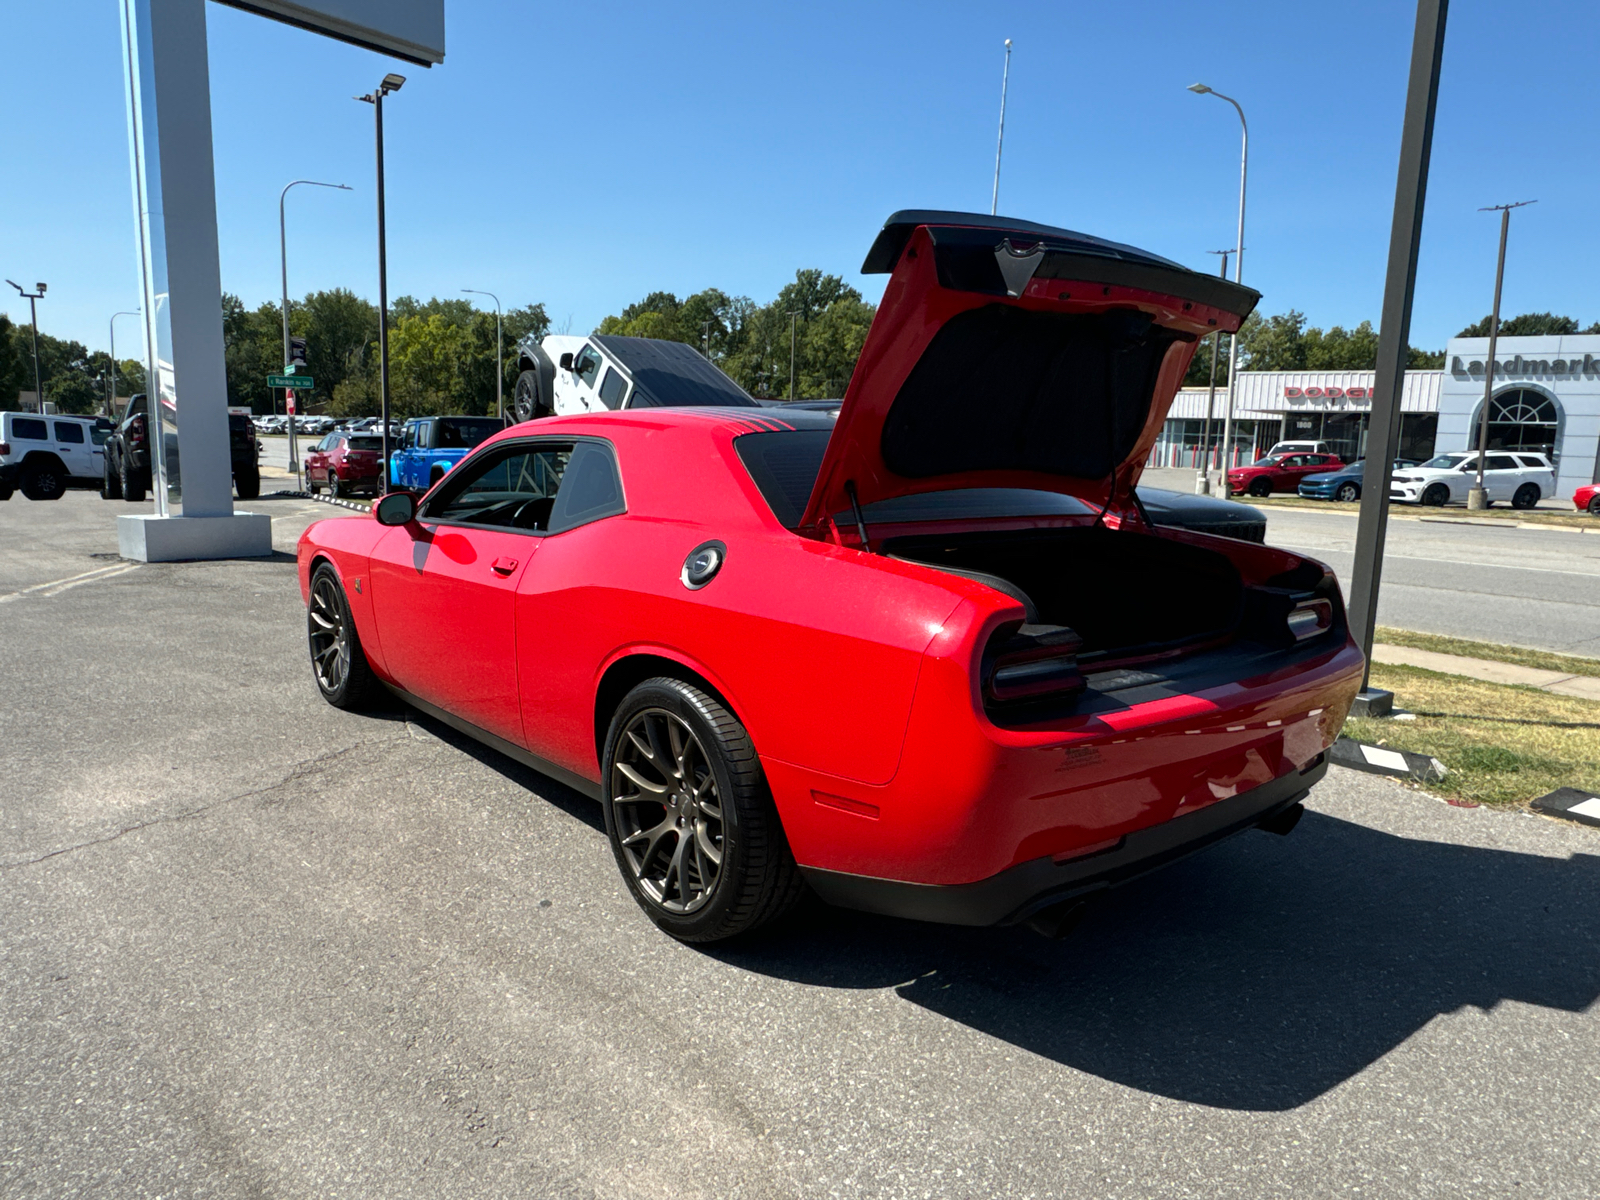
{"x":587,"y":365}
{"x":1532,"y":463}
{"x":69,"y":431}
{"x":590,"y":488}
{"x":613,"y":388}
{"x":512,"y":489}
{"x":28,"y":429}
{"x":100,"y":433}
{"x":1501,"y":462}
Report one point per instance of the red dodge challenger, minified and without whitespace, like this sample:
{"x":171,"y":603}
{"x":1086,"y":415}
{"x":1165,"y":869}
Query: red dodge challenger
{"x":930,"y":660}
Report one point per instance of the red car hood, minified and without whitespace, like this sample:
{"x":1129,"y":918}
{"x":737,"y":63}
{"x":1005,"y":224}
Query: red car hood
{"x":1008,"y":354}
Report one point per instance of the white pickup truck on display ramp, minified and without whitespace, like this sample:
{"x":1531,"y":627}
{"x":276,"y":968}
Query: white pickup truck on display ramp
{"x":561,"y":375}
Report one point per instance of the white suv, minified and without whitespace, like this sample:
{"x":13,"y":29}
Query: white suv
{"x":43,"y":455}
{"x":1513,"y":475}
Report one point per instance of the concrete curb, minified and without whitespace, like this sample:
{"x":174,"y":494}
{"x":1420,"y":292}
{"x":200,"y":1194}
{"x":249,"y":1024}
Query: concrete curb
{"x":1569,"y":804}
{"x":1380,"y":760}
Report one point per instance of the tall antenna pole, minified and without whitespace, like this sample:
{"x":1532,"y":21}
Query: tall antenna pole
{"x":1000,"y":142}
{"x":1204,"y":483}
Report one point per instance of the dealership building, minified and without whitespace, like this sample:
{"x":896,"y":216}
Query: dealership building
{"x":1546,"y":397}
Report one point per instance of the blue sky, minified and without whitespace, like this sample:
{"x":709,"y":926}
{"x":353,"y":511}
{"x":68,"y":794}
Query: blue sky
{"x":583,"y":155}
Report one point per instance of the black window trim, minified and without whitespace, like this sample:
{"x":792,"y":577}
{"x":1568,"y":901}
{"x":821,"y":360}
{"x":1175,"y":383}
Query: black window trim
{"x":524,"y":443}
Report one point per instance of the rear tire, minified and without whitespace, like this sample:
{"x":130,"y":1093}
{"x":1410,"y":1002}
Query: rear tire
{"x":247,"y":482}
{"x":1526,"y":496}
{"x":334,"y":486}
{"x":110,"y":485}
{"x":708,"y":860}
{"x":1436,"y":495}
{"x":5,"y":491}
{"x":1260,"y":488}
{"x":527,"y":398}
{"x":1348,"y":493}
{"x":132,"y":486}
{"x":338,"y":664}
{"x":43,"y":482}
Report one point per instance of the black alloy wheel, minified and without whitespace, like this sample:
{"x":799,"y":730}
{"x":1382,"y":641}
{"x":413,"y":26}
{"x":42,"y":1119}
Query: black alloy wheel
{"x":1525,"y":496}
{"x":337,"y":661}
{"x":1594,"y":505}
{"x":1347,"y":492}
{"x":1436,"y":495}
{"x":1260,"y":487}
{"x":690,"y":818}
{"x":526,"y":400}
{"x":41,"y":481}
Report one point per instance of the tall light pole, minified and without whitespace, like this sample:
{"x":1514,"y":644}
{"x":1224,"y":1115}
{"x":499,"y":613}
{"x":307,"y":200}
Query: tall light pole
{"x":283,"y":259}
{"x":499,"y":368}
{"x":391,"y":83}
{"x":1201,"y":89}
{"x":1000,"y":141}
{"x":794,"y":315}
{"x":1477,"y":497}
{"x":111,"y":394}
{"x":1203,"y":484}
{"x":33,"y":315}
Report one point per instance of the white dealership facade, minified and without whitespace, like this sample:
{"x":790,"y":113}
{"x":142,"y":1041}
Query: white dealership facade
{"x":1545,"y":397}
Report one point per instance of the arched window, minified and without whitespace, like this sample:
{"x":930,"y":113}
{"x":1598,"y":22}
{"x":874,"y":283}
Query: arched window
{"x":1521,"y":419}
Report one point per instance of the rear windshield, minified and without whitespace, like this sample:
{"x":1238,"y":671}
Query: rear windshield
{"x":461,"y":432}
{"x":366,"y":443}
{"x":785,"y":465}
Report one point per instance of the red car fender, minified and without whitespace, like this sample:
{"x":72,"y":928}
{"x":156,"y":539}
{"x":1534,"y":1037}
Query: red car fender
{"x":347,"y":543}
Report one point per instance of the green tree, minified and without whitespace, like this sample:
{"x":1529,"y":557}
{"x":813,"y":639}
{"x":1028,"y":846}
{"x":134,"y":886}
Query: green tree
{"x":12,"y":364}
{"x":427,"y":365}
{"x":1525,"y":325}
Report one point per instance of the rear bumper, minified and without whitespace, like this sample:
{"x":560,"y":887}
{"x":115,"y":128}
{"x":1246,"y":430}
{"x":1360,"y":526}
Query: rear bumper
{"x":1017,"y":892}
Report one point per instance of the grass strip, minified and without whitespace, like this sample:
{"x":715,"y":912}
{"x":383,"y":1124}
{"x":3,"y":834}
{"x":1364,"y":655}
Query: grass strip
{"x":1516,"y":655}
{"x":1504,"y":745}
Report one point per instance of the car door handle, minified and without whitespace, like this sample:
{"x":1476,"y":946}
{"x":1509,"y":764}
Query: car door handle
{"x":503,"y":566}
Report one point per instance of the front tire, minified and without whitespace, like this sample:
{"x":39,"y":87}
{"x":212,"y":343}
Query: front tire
{"x":690,"y":817}
{"x":338,"y":663}
{"x":1348,"y":493}
{"x":1594,"y":506}
{"x":1260,"y":488}
{"x":110,"y":485}
{"x":527,"y":398}
{"x":1436,"y":495}
{"x":1525,"y":496}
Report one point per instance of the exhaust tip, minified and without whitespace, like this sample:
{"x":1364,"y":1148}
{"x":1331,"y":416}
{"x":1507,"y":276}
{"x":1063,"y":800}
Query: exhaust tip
{"x":1284,"y":820}
{"x":1058,"y":920}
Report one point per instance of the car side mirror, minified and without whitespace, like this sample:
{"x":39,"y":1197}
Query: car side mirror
{"x":397,"y":508}
{"x":566,"y":362}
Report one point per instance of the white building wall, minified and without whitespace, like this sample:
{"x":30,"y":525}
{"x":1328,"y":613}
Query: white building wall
{"x":1565,"y":367}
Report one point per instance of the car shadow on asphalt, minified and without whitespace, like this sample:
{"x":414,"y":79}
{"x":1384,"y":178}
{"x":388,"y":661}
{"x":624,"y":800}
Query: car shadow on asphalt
{"x":1255,"y":976}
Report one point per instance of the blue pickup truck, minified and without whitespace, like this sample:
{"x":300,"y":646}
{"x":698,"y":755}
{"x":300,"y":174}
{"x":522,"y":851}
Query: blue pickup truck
{"x":430,"y":446}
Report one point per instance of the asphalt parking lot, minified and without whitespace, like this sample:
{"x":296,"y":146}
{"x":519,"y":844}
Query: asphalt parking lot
{"x":253,"y":946}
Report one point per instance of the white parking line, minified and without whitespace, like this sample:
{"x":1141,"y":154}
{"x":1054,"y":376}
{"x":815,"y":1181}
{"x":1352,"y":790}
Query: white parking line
{"x":56,"y":586}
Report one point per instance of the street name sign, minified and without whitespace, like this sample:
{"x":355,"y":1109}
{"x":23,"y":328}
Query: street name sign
{"x":299,"y":382}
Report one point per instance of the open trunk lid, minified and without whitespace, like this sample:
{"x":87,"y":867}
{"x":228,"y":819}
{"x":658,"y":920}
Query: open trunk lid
{"x":1009,"y":354}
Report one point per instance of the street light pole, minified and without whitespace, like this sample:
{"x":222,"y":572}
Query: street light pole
{"x":499,"y":354}
{"x":794,"y":315}
{"x":1201,"y":89}
{"x":33,"y":316}
{"x":283,"y":259}
{"x":1000,"y":141}
{"x":1477,"y":496}
{"x":1203,"y":484}
{"x":111,"y":395}
{"x":391,"y":83}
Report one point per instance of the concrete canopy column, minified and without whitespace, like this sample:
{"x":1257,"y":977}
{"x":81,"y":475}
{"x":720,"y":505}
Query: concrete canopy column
{"x":169,"y":130}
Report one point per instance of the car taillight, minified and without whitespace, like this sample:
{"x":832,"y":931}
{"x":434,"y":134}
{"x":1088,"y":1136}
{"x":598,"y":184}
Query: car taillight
{"x":1025,"y":663}
{"x":1309,"y":618}
{"x":5,"y":447}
